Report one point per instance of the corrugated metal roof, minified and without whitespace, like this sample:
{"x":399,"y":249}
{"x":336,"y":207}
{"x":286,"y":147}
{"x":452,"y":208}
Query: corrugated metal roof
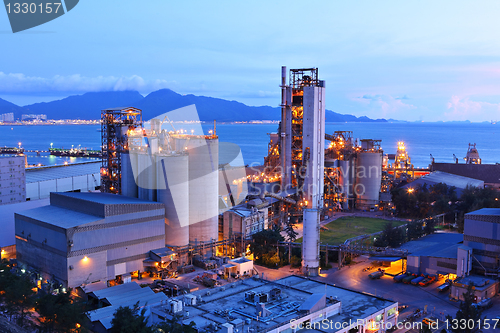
{"x":116,"y":290}
{"x":127,"y":294}
{"x":438,"y":245}
{"x":60,"y":217}
{"x":449,"y":179}
{"x":489,"y":173}
{"x":107,"y":198}
{"x":34,"y":175}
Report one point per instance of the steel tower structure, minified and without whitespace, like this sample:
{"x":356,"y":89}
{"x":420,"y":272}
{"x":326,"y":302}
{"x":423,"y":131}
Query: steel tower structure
{"x":302,"y":138}
{"x":116,"y":124}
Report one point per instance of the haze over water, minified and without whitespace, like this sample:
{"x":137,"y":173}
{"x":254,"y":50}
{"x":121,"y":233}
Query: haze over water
{"x":442,"y":140}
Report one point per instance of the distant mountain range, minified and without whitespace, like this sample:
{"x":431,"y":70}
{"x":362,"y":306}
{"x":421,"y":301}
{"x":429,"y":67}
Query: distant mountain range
{"x":89,"y":105}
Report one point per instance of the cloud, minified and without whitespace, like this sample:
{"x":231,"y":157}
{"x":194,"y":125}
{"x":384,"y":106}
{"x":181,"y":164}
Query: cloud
{"x":20,"y":84}
{"x":385,"y":103}
{"x":462,"y":108}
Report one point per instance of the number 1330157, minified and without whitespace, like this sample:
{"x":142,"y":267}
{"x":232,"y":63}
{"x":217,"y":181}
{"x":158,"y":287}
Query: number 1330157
{"x":471,"y":324}
{"x":32,"y":8}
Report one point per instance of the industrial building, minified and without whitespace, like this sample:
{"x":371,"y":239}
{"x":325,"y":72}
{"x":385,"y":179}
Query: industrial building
{"x":246,"y":219}
{"x":482,"y":235}
{"x":460,"y":183}
{"x":7,"y":223}
{"x":12,"y":179}
{"x":483,"y":287}
{"x":434,"y":254}
{"x":302,"y":152}
{"x":88,"y":237}
{"x":182,"y":171}
{"x":488,"y":173}
{"x":288,"y":305}
{"x":76,"y":177}
{"x":472,"y":168}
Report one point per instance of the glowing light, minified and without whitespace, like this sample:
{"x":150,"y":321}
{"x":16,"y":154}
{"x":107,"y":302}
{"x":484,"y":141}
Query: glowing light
{"x":85,"y":259}
{"x":411,"y":190}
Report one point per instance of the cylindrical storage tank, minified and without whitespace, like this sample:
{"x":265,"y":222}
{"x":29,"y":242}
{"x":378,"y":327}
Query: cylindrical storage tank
{"x":203,"y":159}
{"x":368,"y":179}
{"x":173,"y":192}
{"x":128,"y":184}
{"x":310,"y":244}
{"x":146,"y":177}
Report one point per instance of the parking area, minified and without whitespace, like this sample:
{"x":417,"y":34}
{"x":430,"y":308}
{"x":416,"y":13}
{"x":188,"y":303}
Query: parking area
{"x":426,"y":299}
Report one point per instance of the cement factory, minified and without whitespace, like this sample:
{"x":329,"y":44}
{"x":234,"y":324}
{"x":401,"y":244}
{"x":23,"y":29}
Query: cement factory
{"x":170,"y":199}
{"x":179,"y":170}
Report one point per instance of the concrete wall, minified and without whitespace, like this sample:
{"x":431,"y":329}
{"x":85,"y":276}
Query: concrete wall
{"x":86,"y":269}
{"x":12,"y":179}
{"x":431,"y":265}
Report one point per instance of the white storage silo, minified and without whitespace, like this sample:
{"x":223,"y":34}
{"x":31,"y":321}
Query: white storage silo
{"x":128,"y":184}
{"x":146,"y":176}
{"x":173,"y":192}
{"x":203,"y":156}
{"x":368,"y":179}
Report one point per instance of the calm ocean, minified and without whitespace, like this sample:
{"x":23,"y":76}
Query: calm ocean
{"x":442,"y":140}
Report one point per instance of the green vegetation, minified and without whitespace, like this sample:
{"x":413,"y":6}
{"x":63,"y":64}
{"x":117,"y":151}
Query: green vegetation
{"x":426,"y":201}
{"x":264,"y":248}
{"x":56,"y":313}
{"x":338,"y":231}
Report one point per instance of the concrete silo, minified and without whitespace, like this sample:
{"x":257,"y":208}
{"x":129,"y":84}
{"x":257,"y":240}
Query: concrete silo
{"x":173,"y":192}
{"x":128,"y":184}
{"x":203,"y":155}
{"x":146,"y":176}
{"x":368,"y":174}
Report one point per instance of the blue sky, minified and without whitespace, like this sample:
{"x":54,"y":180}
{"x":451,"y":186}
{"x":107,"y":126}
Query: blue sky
{"x":425,"y":60}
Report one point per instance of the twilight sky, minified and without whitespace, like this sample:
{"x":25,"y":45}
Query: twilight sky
{"x":410,"y":60}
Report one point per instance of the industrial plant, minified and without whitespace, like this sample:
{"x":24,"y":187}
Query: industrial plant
{"x":165,"y":199}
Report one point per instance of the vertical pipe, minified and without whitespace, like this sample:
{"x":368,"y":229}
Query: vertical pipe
{"x":283,"y":131}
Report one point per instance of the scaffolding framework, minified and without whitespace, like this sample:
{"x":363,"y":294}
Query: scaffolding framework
{"x":115,"y":126}
{"x":299,"y":78}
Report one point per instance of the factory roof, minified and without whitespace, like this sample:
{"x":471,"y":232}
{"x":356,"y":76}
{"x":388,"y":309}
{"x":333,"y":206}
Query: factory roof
{"x":105,"y":198}
{"x":164,"y":253}
{"x":295,"y":293}
{"x":436,"y":177}
{"x":102,"y":204}
{"x":7,"y":222}
{"x":127,"y":294}
{"x":489,"y":173}
{"x":116,"y":290}
{"x":479,"y":282}
{"x":62,"y":171}
{"x":240,"y":260}
{"x":312,"y":302}
{"x":438,"y":245}
{"x":485,"y":211}
{"x":72,"y":209}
